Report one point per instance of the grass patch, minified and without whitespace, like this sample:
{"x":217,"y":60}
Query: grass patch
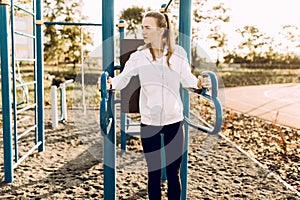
{"x":234,"y":77}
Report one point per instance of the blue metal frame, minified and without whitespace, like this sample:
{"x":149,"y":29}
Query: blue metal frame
{"x":72,"y":23}
{"x":108,"y":65}
{"x":40,"y":74}
{"x":185,"y":42}
{"x":107,"y":104}
{"x":108,"y":98}
{"x":215,"y":129}
{"x":123,"y":117}
{"x":6,"y":100}
{"x":8,"y":106}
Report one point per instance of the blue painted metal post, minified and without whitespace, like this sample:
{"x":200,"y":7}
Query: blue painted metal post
{"x":108,"y":65}
{"x":40,"y":74}
{"x":123,"y":115}
{"x":184,"y":41}
{"x":6,"y":102}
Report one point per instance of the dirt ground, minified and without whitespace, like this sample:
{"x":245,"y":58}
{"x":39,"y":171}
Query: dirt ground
{"x":71,"y":167}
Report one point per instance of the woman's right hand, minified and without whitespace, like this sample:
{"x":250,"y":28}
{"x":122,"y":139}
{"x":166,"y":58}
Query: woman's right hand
{"x":109,"y":83}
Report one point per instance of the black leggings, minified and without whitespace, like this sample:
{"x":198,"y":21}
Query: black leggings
{"x":173,"y":142}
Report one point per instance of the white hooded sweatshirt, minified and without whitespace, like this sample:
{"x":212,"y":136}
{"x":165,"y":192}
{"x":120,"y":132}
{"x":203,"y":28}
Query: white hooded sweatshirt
{"x":160,"y":102}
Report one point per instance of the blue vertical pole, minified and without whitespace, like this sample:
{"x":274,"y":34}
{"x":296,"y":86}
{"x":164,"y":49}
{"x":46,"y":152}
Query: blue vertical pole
{"x":108,"y":65}
{"x":6,"y":102}
{"x":123,"y":115}
{"x":40,"y":74}
{"x":185,"y":42}
{"x":121,"y":26}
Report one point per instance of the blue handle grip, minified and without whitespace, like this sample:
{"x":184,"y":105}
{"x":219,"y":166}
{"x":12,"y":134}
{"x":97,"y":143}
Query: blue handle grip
{"x":218,"y":107}
{"x":103,"y":104}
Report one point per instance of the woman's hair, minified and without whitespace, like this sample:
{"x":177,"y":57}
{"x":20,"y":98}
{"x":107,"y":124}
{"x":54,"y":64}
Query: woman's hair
{"x":163,"y":21}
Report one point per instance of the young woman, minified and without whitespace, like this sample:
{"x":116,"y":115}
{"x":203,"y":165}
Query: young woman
{"x":161,"y":66}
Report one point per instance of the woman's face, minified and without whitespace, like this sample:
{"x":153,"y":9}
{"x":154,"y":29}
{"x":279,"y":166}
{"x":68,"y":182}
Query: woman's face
{"x":151,"y":33}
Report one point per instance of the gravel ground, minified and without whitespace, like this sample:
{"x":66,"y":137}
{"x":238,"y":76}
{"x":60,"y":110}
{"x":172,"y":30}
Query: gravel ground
{"x":71,"y":167}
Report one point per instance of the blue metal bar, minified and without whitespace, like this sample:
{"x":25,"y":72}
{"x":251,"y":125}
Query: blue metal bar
{"x":216,"y":101}
{"x":131,"y":124}
{"x":25,"y":10}
{"x":117,"y":101}
{"x":73,"y":23}
{"x":40,"y":76}
{"x":133,"y":133}
{"x":123,"y":131}
{"x":117,"y":67}
{"x":103,"y":104}
{"x":109,"y":145}
{"x":123,"y":116}
{"x":216,"y":128}
{"x":184,"y":41}
{"x":24,"y":34}
{"x":6,"y":101}
{"x":108,"y":65}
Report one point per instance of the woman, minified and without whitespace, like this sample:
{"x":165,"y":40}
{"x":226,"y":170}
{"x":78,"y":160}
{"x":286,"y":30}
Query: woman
{"x":161,"y":66}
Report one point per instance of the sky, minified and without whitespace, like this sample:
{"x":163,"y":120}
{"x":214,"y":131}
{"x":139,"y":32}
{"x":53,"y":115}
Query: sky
{"x":267,"y":15}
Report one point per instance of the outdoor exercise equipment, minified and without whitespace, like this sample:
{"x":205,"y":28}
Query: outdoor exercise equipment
{"x":108,"y":121}
{"x":11,"y":110}
{"x":108,"y":101}
{"x":10,"y":105}
{"x":63,"y":103}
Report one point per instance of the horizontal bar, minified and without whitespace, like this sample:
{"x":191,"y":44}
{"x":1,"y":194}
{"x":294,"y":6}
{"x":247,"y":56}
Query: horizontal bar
{"x":117,"y":67}
{"x":132,"y":124}
{"x":27,"y":154}
{"x":26,"y":83}
{"x":25,"y":10}
{"x":20,"y":103}
{"x":25,"y":34}
{"x":23,"y":119}
{"x":26,"y":108}
{"x":133,"y":133}
{"x":26,"y":132}
{"x":72,"y":23}
{"x":197,"y":126}
{"x":202,"y":120}
{"x":117,"y":101}
{"x":25,"y":59}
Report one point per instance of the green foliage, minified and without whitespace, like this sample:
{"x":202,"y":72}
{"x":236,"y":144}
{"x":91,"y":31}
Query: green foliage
{"x":258,"y":47}
{"x":133,"y":17}
{"x":211,"y":16}
{"x":207,"y":12}
{"x":63,"y":43}
{"x":234,"y":77}
{"x":268,"y":59}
